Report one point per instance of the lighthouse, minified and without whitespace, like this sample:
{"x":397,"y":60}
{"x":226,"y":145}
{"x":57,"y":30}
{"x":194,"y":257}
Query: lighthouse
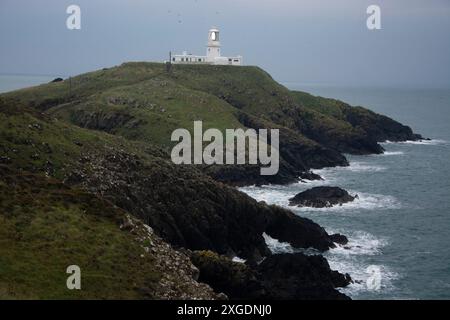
{"x":213,"y":49}
{"x":213,"y":54}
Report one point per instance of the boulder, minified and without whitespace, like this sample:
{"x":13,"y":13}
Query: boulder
{"x":321,"y":197}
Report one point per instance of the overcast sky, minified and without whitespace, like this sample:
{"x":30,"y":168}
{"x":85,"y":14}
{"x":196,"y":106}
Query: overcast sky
{"x":318,"y":41}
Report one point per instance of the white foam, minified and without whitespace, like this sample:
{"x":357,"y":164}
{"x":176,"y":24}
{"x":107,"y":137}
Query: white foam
{"x":392,"y":153}
{"x":331,"y":174}
{"x":350,"y":259}
{"x":239,"y":260}
{"x":359,"y":243}
{"x":280,"y":195}
{"x":359,"y":275}
{"x":270,"y":194}
{"x":432,"y":142}
{"x":276,"y":246}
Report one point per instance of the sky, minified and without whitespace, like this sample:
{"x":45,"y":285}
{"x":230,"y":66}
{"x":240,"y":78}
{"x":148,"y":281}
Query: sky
{"x":323,"y":42}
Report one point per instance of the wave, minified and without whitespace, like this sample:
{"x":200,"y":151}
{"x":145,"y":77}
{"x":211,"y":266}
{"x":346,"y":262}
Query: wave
{"x":352,"y":258}
{"x":272,"y":194}
{"x":392,"y":153}
{"x":432,"y":142}
{"x":355,"y":166}
{"x":359,"y":243}
{"x":276,"y":246}
{"x":280,"y":195}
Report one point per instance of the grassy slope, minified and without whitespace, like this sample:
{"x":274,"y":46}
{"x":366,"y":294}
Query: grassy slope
{"x":154,"y":102}
{"x":46,"y":226}
{"x":142,"y":101}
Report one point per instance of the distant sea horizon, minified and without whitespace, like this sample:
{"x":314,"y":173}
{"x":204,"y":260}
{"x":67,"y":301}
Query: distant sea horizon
{"x":11,"y":82}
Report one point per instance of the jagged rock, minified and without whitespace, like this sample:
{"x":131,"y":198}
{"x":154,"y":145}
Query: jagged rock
{"x":281,"y":276}
{"x":236,"y":280}
{"x":309,"y":175}
{"x":298,"y":276}
{"x":339,"y":238}
{"x":190,"y":210}
{"x":321,"y":197}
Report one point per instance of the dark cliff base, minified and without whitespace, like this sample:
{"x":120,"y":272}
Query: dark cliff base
{"x":278,"y":277}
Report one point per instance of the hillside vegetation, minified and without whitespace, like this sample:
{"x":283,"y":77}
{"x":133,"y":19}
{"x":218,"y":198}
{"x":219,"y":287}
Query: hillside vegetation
{"x":145,"y":102}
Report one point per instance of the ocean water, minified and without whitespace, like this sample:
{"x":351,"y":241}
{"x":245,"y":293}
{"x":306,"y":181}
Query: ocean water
{"x":401,"y":221}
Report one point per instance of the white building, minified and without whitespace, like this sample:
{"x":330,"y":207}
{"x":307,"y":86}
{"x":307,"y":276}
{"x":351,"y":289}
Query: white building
{"x":212,"y":54}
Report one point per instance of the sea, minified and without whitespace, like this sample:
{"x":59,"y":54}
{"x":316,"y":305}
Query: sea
{"x":10,"y":82}
{"x":400,"y":224}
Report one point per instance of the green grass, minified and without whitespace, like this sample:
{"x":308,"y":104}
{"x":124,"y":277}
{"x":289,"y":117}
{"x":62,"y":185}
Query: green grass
{"x":156,"y":102}
{"x":46,"y":226}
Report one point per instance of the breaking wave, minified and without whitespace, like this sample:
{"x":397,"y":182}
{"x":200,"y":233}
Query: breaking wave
{"x":349,"y":259}
{"x":432,"y":142}
{"x":280,"y":196}
{"x":392,"y":153}
{"x":352,"y":258}
{"x":277,"y":246}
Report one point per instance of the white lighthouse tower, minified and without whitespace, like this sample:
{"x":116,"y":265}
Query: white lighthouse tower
{"x":213,"y":50}
{"x":213,"y":55}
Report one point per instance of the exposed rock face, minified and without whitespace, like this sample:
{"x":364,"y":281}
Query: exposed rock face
{"x":298,"y":276}
{"x":321,"y":197}
{"x":280,"y":276}
{"x":379,"y":127}
{"x":189,"y":209}
{"x":105,"y":121}
{"x":236,"y":280}
{"x":299,"y":232}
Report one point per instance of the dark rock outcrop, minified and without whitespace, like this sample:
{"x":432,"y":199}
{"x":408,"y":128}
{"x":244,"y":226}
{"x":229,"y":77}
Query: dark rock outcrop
{"x":379,"y":127}
{"x":298,"y":276}
{"x":280,"y":276}
{"x":339,"y":238}
{"x":236,"y":280}
{"x":57,"y":80}
{"x":321,"y":197}
{"x":190,"y":210}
